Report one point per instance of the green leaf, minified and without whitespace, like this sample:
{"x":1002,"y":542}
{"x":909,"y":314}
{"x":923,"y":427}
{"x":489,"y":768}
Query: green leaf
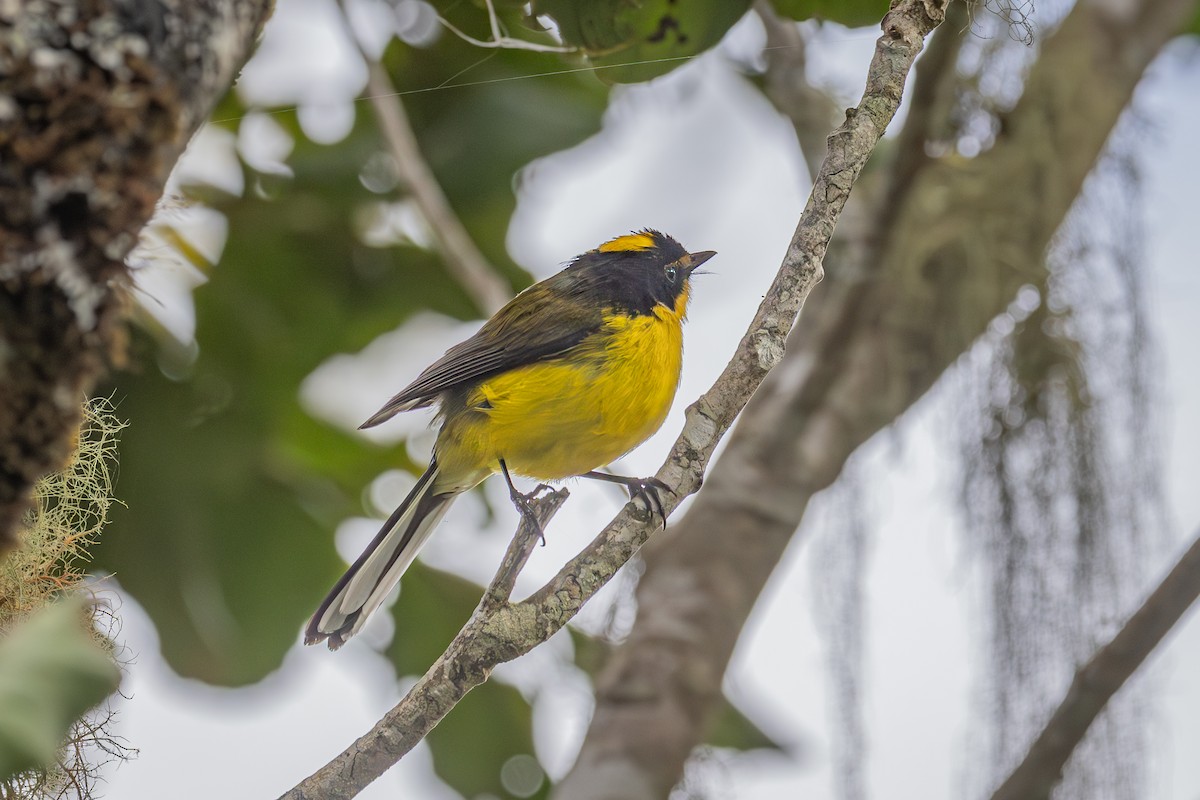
{"x":851,"y":13}
{"x":630,"y":42}
{"x":52,"y":671}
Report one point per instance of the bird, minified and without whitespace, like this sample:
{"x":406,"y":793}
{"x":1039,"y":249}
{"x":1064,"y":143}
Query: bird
{"x":574,"y":372}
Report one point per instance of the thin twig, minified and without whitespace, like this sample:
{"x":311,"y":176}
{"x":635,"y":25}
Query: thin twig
{"x":513,"y":629}
{"x":465,"y":263}
{"x":1100,"y":678}
{"x":502,"y":42}
{"x":500,"y":590}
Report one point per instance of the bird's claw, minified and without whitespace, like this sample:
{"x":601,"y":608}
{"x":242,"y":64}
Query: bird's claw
{"x":524,"y":504}
{"x":649,"y":491}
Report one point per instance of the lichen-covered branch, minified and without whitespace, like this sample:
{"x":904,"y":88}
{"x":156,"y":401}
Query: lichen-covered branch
{"x":97,"y":101}
{"x":967,"y":235}
{"x":1100,"y":678}
{"x":513,"y":629}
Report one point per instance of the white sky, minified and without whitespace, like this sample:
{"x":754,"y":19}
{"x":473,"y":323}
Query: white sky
{"x":737,"y":187}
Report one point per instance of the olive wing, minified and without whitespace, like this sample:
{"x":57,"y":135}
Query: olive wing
{"x":538,"y":324}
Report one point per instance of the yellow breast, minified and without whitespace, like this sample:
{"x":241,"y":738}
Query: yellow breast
{"x":567,"y":416}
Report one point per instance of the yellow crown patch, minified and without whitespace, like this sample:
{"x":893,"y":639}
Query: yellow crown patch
{"x":643,"y":240}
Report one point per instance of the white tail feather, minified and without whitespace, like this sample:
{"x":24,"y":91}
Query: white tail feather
{"x":376,"y":572}
{"x":404,"y":559}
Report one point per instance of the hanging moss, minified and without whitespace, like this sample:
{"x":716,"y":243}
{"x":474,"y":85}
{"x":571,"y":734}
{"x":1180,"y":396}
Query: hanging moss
{"x":70,"y":511}
{"x":1059,"y":488}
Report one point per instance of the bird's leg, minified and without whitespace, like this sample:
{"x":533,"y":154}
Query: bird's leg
{"x":648,"y":489}
{"x":522,"y":501}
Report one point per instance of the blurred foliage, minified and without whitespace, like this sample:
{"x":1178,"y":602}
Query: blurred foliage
{"x":430,"y":601}
{"x":235,"y":514}
{"x":488,"y":728}
{"x":52,"y":671}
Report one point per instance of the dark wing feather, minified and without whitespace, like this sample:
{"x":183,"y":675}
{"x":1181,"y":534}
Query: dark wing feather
{"x":542,"y":322}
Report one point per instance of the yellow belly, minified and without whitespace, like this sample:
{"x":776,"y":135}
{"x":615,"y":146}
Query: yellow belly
{"x":570,"y":415}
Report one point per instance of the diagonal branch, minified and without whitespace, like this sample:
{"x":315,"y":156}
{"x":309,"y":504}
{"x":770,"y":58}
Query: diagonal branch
{"x":465,"y":263}
{"x":1100,"y":678}
{"x":513,"y":629}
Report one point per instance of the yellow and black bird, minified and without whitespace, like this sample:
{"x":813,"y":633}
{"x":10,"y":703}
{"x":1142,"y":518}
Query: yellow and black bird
{"x":573,"y":373}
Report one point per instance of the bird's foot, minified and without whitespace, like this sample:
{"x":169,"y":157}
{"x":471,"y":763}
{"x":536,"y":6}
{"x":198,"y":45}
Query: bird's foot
{"x":524,"y":502}
{"x":647,"y":490}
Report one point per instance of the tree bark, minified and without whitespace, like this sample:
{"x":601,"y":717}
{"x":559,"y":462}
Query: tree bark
{"x":964,"y":236}
{"x":97,"y":100}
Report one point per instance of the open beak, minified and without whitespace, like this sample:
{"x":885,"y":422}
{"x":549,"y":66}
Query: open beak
{"x":693,"y":260}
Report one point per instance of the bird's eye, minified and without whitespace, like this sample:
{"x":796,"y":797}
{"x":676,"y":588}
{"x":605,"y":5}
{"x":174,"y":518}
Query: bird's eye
{"x":671,"y":274}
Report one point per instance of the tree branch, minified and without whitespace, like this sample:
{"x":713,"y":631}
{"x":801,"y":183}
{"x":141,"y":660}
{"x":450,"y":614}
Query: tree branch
{"x":465,"y":263}
{"x":97,"y":101}
{"x":514,"y":629}
{"x":1100,"y":678}
{"x":968,"y":235}
{"x":500,"y":590}
{"x":463,"y":260}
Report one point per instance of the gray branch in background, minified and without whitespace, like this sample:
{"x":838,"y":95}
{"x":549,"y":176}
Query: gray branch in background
{"x":811,"y":110}
{"x":1101,"y":677}
{"x":931,"y":107}
{"x":965,"y":237}
{"x":465,"y":263}
{"x":463,"y":260}
{"x":504,"y":630}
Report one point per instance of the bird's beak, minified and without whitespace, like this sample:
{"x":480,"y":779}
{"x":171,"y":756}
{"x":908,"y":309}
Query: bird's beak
{"x":693,"y":260}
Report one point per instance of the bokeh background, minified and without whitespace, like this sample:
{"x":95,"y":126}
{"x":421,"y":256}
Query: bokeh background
{"x":290,"y":286}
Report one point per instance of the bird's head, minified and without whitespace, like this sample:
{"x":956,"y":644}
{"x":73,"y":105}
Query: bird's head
{"x":638,"y":271}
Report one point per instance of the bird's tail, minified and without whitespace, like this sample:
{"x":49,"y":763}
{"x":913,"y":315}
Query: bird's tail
{"x":363,"y":588}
